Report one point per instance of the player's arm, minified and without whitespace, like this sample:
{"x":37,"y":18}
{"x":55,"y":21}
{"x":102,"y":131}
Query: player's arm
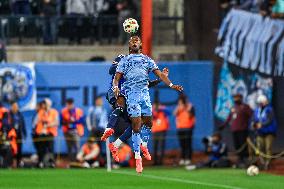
{"x":115,"y":83}
{"x":166,"y":80}
{"x":155,"y":82}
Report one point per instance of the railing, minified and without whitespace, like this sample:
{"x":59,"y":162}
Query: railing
{"x":81,"y":30}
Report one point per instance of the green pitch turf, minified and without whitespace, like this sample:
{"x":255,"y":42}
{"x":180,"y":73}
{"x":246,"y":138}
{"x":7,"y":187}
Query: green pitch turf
{"x":161,"y":178}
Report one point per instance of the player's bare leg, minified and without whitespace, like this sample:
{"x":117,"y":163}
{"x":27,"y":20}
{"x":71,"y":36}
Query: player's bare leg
{"x":145,"y":136}
{"x":136,"y":139}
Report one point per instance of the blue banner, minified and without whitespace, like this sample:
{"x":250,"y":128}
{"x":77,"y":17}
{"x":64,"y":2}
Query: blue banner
{"x":85,"y":81}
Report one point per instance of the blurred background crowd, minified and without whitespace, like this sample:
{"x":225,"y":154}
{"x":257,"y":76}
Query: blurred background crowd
{"x":259,"y":124}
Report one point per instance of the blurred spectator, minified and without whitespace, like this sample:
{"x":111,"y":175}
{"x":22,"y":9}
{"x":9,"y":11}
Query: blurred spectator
{"x":3,"y":110}
{"x":97,"y":118}
{"x":16,"y":120}
{"x":20,"y":7}
{"x":126,"y":9}
{"x":48,"y":9}
{"x":89,"y":153}
{"x":8,"y":142}
{"x":159,"y":130}
{"x":77,"y":9}
{"x":72,"y":122}
{"x":185,"y":122}
{"x":217,"y":152}
{"x":46,"y":122}
{"x":239,"y":119}
{"x":35,"y":136}
{"x":3,"y":52}
{"x":124,"y":155}
{"x":264,"y":122}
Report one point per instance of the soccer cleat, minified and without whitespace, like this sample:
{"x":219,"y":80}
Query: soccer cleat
{"x":145,"y":152}
{"x":108,"y":132}
{"x":139,"y":167}
{"x":114,"y":151}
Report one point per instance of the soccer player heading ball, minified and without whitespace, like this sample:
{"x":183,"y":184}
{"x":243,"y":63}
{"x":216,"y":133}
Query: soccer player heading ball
{"x":135,"y":69}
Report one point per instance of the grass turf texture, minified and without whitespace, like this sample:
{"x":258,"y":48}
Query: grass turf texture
{"x":162,"y":178}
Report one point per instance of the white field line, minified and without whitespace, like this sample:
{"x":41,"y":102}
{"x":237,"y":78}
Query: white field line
{"x":178,"y":180}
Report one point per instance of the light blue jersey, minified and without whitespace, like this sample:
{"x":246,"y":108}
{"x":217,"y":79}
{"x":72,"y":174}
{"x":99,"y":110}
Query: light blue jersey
{"x":135,"y":69}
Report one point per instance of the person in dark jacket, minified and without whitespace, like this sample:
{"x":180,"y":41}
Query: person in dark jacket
{"x":17,"y":121}
{"x":265,"y":124}
{"x":48,"y":9}
{"x":239,"y":119}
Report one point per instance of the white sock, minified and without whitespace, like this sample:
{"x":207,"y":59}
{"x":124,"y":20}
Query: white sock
{"x":137,"y":155}
{"x":117,"y":143}
{"x":144,"y":144}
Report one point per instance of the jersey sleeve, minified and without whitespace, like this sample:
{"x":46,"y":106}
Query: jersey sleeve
{"x":152,"y":65}
{"x":120,"y":67}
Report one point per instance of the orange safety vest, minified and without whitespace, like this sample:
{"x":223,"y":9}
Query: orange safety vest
{"x":3,"y":110}
{"x":160,"y":121}
{"x":184,"y":120}
{"x":12,"y":135}
{"x":124,"y":153}
{"x":66,"y":118}
{"x":47,"y":117}
{"x":87,"y":150}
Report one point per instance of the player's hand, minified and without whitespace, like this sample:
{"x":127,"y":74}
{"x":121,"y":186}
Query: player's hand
{"x":116,"y":91}
{"x":177,"y":88}
{"x":166,"y":71}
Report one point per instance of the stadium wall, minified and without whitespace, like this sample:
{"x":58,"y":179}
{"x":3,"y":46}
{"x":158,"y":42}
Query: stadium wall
{"x":85,"y":81}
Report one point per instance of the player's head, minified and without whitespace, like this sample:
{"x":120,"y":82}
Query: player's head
{"x":135,"y":44}
{"x":70,"y":103}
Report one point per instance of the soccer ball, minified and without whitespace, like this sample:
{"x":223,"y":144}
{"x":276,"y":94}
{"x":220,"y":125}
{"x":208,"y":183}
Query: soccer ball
{"x":130,"y":25}
{"x":252,"y":170}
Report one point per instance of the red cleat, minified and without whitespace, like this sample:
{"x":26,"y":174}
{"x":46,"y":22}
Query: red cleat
{"x":114,"y":151}
{"x":145,"y":152}
{"x":139,"y":167}
{"x":107,"y":133}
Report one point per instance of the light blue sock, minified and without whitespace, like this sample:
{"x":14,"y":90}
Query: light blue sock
{"x":145,"y":135}
{"x":136,"y":139}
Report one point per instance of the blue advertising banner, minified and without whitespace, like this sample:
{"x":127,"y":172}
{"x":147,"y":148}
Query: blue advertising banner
{"x":18,"y":84}
{"x":85,"y":81}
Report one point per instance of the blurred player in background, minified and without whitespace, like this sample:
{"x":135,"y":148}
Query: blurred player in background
{"x":135,"y":69}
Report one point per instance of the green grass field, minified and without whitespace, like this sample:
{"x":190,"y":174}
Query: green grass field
{"x":162,"y":178}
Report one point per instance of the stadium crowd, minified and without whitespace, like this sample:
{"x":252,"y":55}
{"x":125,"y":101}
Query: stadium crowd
{"x":273,"y":8}
{"x":77,"y":14}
